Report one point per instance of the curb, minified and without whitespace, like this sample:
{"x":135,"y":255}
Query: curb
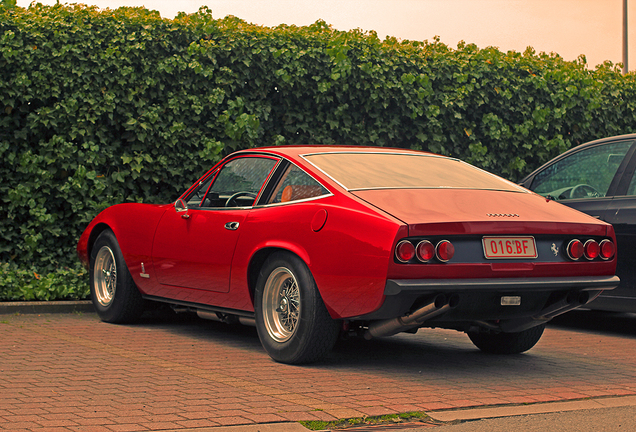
{"x":478,"y":413}
{"x":45,"y":307}
{"x":261,"y":427}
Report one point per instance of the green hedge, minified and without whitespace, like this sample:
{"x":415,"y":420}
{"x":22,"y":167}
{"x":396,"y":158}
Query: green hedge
{"x":101,"y":107}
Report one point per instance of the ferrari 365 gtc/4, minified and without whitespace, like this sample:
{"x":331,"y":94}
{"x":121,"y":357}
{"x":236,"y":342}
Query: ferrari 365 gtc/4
{"x":311,"y":242}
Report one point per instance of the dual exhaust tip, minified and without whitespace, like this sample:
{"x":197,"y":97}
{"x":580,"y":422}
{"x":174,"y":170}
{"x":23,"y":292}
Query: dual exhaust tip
{"x":439,"y":305}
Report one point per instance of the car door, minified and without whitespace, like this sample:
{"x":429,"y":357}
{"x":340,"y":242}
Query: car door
{"x":621,"y":213}
{"x":194,"y":243}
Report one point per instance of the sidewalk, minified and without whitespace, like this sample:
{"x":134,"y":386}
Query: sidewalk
{"x":71,"y":372}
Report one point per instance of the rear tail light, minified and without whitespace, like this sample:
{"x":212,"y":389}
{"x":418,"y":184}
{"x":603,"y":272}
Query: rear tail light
{"x":591,"y":249}
{"x":445,"y":250}
{"x":575,"y":249}
{"x":425,"y":251}
{"x":607,"y":249}
{"x":405,"y":251}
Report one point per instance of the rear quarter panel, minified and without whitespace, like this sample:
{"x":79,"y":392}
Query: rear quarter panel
{"x":348,"y":257}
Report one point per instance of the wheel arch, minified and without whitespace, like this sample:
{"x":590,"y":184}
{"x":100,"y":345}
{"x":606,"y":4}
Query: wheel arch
{"x":258,"y":260}
{"x":290,"y":334}
{"x":95,"y":232}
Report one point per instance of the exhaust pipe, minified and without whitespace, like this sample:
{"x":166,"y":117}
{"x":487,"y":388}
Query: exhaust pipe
{"x":571,"y":301}
{"x":212,"y":316}
{"x":247,"y":321}
{"x":225,"y":318}
{"x":392,"y":326}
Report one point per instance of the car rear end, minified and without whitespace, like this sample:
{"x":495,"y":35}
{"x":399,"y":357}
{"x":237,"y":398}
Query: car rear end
{"x":476,"y":252}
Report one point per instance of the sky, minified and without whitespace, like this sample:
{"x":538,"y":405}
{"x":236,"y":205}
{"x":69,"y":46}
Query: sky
{"x":567,"y":27}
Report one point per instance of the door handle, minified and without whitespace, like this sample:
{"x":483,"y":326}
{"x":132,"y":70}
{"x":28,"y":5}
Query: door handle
{"x":233,"y":226}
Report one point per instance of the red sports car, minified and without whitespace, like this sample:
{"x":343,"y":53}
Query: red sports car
{"x":311,"y":242}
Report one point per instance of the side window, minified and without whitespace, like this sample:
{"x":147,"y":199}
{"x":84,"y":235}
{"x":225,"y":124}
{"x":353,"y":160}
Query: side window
{"x":195,"y":198}
{"x":239,"y":182}
{"x":585,"y":174}
{"x":296,"y":185}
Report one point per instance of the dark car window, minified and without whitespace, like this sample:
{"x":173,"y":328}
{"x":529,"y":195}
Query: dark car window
{"x":296,"y":185}
{"x":237,"y":184}
{"x":584,"y":174}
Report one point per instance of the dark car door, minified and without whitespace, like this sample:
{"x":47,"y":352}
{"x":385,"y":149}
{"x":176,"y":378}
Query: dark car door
{"x":598,"y":179}
{"x":194,"y":248}
{"x":621,"y":213}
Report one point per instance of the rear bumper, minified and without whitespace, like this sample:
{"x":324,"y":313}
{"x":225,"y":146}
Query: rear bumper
{"x":481,"y":299}
{"x":396,"y":287}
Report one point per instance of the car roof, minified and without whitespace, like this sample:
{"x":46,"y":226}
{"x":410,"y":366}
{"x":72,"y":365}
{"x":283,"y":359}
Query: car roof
{"x":591,"y":144}
{"x":607,"y":139}
{"x":296,"y":151}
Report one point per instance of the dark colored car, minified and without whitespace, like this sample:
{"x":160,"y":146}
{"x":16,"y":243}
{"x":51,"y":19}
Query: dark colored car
{"x":597,"y":178}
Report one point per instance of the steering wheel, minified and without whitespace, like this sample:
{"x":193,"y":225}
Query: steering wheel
{"x":228,"y":203}
{"x":584,"y":191}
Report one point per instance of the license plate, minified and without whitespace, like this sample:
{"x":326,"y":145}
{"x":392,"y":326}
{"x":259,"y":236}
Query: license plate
{"x":509,"y":247}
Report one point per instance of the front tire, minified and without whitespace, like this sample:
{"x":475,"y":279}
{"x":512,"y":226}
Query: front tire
{"x":507,"y":343}
{"x":292,"y":321}
{"x":113,"y":291}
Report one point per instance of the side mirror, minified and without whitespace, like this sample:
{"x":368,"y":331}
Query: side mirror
{"x":181,"y":207}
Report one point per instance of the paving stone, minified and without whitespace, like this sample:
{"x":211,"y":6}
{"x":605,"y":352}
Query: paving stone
{"x":71,"y":372}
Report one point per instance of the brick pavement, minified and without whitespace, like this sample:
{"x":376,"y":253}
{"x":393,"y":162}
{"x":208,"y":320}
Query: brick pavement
{"x":71,"y":372}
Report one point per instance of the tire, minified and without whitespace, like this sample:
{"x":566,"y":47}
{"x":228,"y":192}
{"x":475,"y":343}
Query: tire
{"x":113,"y":291}
{"x":507,"y":343}
{"x":292,"y":321}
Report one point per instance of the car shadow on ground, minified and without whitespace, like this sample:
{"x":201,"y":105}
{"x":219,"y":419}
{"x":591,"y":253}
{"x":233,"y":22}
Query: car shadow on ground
{"x":609,"y":323}
{"x":189,"y":324}
{"x":444,"y":351}
{"x":428,"y":350}
{"x":430,"y":353}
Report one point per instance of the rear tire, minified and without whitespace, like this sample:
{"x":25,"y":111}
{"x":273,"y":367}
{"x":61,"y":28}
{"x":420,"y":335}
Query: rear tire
{"x":113,"y":291}
{"x":507,"y":343}
{"x":292,"y":321}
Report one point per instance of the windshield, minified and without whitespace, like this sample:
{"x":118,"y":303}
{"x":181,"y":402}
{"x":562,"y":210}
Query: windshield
{"x":358,"y":170}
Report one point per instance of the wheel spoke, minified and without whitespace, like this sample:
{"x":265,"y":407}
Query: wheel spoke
{"x":289,"y":317}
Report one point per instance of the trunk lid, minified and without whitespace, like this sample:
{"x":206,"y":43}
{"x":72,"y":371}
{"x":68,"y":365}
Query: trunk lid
{"x":469,"y":211}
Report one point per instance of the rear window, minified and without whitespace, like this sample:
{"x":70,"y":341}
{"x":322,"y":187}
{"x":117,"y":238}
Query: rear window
{"x":356,"y":171}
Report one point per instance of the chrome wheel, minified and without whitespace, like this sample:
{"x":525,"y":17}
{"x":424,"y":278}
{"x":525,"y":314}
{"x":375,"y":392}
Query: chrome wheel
{"x":105,"y":276}
{"x":281,"y":304}
{"x":292,"y":321}
{"x":113,"y":291}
